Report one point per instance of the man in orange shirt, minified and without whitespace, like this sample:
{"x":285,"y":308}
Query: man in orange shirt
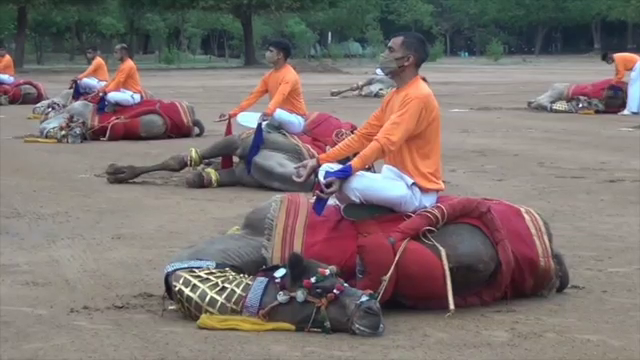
{"x":287,"y":109}
{"x":404,"y":131}
{"x":627,"y":62}
{"x":124,"y":89}
{"x":7,"y":72}
{"x":96,"y":75}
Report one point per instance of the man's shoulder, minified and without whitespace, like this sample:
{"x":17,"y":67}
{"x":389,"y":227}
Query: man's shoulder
{"x":420,"y":90}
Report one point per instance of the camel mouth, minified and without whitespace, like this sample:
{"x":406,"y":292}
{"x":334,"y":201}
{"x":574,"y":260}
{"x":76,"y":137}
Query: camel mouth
{"x":363,"y":331}
{"x":368,"y":321}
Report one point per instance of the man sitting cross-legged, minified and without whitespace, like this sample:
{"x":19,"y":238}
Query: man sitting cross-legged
{"x":404,"y":131}
{"x":124,"y":89}
{"x":7,"y":71}
{"x":96,"y":76}
{"x":287,"y":109}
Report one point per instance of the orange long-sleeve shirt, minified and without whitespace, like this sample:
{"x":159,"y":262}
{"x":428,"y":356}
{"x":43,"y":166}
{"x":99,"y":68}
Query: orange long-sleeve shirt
{"x":624,"y":62}
{"x":97,"y":69}
{"x":285,"y":92}
{"x":126,"y":78}
{"x":6,"y":65}
{"x":405,"y":132}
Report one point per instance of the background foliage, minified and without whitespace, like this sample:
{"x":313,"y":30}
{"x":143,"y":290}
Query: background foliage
{"x":179,"y":31}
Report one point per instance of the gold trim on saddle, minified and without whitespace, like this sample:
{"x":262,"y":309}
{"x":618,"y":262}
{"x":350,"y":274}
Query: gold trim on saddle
{"x":215,"y":178}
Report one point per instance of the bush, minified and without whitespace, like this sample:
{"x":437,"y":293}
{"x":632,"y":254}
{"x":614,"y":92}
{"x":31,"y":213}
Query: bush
{"x":495,"y":50}
{"x":170,"y":56}
{"x":336,"y":51}
{"x":303,"y":38}
{"x":437,"y":50}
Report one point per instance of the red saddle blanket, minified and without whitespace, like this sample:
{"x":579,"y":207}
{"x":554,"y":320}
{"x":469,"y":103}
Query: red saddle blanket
{"x":364,"y":253}
{"x":595,"y":90}
{"x":124,"y":123}
{"x":14,"y":91}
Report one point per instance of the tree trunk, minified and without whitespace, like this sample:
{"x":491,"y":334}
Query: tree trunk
{"x":447,"y":36}
{"x":596,"y":27}
{"x":21,"y":36}
{"x":213,"y":42}
{"x":542,"y":31}
{"x":246,"y":20}
{"x":72,"y":44}
{"x":226,"y":47}
{"x":146,"y":43}
{"x":132,"y":36}
{"x":37,"y":41}
{"x":630,"y":44}
{"x":80,"y":36}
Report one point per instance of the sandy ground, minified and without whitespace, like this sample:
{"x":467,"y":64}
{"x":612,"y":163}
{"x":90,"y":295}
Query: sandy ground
{"x":81,"y":260}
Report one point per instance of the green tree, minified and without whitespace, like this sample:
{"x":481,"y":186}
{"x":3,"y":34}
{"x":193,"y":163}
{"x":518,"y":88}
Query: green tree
{"x":415,"y":13}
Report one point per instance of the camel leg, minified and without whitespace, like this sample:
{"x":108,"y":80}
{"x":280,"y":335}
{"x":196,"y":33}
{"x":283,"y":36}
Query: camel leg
{"x":117,"y":174}
{"x":340,"y":92}
{"x":237,"y":176}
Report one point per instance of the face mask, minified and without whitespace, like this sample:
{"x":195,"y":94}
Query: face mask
{"x":387,"y":64}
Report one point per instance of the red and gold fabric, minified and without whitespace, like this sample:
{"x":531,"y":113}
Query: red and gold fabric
{"x":14,"y":92}
{"x":124,"y":123}
{"x":517,"y":232}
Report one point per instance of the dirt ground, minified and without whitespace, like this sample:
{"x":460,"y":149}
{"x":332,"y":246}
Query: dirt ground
{"x":81,"y":261}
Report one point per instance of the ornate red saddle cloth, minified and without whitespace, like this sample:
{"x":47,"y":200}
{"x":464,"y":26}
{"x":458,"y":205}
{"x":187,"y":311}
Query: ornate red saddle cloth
{"x":14,"y":92}
{"x":518,"y":233}
{"x":124,"y":123}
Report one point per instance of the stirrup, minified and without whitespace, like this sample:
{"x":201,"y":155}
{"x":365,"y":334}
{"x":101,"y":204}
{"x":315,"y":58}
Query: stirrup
{"x":194,"y":159}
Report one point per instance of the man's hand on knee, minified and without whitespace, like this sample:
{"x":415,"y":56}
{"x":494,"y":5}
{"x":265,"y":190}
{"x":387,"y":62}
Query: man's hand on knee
{"x":305,"y":170}
{"x":329,"y":188}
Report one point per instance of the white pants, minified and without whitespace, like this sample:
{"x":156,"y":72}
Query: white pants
{"x":6,"y":79}
{"x":123,"y":98}
{"x":633,"y":90}
{"x":291,"y":123}
{"x":90,"y":84}
{"x":390,"y":188}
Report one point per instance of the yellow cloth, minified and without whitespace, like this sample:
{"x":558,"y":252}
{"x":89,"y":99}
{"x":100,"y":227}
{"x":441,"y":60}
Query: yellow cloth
{"x":242,"y":323}
{"x":39,"y":140}
{"x":235,"y":230}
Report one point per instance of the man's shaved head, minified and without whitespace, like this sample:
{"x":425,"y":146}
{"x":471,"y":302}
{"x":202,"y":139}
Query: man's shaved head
{"x":415,"y":45}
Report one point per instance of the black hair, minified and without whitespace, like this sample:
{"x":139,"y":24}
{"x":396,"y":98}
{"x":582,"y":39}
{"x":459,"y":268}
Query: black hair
{"x":605,"y":56}
{"x":282,"y":46}
{"x":416,"y":45}
{"x":92,"y":48}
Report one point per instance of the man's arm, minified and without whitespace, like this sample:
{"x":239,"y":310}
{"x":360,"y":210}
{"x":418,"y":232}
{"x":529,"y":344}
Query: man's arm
{"x":92,"y":68}
{"x":253,"y":98}
{"x":116,"y":83}
{"x":400,"y":126}
{"x":281,"y":94}
{"x":356,"y":142}
{"x":619,"y":72}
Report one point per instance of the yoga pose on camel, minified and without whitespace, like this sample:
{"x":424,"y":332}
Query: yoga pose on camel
{"x":124,"y":89}
{"x":96,"y":76}
{"x":287,"y":109}
{"x":404,"y":131}
{"x":7,"y":71}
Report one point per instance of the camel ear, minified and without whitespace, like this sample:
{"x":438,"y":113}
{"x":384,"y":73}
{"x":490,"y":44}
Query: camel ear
{"x":297,"y":267}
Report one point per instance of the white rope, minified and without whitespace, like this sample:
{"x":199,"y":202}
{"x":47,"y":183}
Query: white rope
{"x":438,"y":220}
